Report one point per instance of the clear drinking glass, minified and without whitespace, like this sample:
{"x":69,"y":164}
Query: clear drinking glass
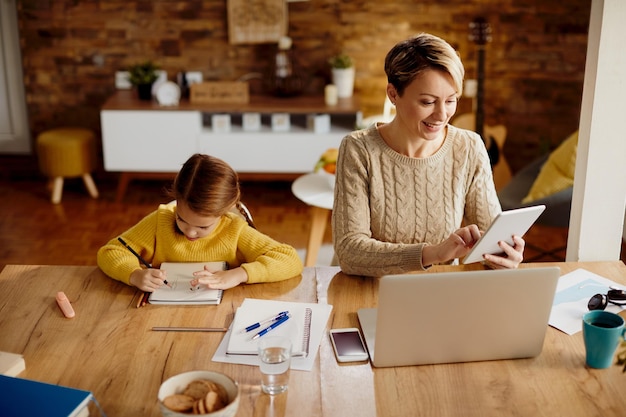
{"x":275,"y":358}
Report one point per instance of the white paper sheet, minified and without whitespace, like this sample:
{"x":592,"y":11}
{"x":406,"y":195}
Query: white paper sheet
{"x":319,"y":321}
{"x":573,"y":292}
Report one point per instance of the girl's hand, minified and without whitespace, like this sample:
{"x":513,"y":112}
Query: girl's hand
{"x":220,"y":280}
{"x":513,"y":255}
{"x":148,"y":280}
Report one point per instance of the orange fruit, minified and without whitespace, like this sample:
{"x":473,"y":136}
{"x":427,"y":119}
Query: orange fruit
{"x":330,"y":168}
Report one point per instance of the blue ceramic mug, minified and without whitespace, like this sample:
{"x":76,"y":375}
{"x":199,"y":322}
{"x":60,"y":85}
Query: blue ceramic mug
{"x":602,"y":333}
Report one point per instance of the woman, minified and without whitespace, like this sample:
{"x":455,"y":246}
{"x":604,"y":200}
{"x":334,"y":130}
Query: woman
{"x":405,"y":189}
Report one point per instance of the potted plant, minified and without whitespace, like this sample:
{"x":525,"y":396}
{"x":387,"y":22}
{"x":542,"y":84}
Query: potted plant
{"x":342,"y":70}
{"x":142,"y":76}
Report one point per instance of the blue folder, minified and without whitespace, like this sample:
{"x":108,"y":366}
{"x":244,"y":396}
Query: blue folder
{"x":27,"y":398}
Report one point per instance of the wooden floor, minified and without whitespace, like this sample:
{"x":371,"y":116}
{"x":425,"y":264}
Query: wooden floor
{"x":34,"y":231}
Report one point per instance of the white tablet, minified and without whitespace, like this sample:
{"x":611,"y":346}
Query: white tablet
{"x":504,"y":226}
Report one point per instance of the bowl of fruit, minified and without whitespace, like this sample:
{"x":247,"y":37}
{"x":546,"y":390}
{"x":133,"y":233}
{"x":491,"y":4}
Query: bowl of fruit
{"x":327,"y":165}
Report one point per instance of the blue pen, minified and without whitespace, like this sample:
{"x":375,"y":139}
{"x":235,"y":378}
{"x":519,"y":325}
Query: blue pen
{"x":271,"y":319}
{"x":272,"y":326}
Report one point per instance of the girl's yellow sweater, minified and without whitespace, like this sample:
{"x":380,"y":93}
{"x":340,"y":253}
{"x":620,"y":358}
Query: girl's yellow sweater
{"x":157,"y":239}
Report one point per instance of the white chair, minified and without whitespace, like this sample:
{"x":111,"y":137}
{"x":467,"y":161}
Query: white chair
{"x":245,"y":213}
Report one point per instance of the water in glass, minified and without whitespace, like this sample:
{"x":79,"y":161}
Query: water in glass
{"x":275,"y":363}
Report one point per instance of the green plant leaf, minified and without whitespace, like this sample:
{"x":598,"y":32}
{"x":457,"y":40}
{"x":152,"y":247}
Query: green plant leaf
{"x":342,"y":60}
{"x":143,"y":73}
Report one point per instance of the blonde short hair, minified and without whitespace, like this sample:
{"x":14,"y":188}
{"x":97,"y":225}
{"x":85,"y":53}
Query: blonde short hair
{"x":409,"y":58}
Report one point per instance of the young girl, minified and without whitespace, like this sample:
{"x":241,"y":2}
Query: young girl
{"x":199,"y":227}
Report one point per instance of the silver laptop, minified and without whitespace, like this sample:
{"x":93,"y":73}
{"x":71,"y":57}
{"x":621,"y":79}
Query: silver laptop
{"x":465,"y":316}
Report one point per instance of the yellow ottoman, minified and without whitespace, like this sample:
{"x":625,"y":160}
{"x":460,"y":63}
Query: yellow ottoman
{"x":67,"y":152}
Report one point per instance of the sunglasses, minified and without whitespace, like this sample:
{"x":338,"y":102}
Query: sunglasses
{"x":600,"y":301}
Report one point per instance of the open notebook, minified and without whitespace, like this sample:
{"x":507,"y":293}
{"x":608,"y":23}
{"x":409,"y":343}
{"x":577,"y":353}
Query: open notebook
{"x":297,"y":327}
{"x":179,"y":274}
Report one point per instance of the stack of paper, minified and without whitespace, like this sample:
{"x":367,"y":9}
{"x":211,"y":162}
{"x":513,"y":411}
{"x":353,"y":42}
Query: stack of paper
{"x":297,"y":327}
{"x":11,"y":364}
{"x":572,"y":295}
{"x":305,"y":327}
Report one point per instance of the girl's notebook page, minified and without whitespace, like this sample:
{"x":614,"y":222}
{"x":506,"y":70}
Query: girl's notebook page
{"x":179,"y":290}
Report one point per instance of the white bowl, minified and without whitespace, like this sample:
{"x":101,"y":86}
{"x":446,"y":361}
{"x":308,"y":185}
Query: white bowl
{"x":178,"y":383}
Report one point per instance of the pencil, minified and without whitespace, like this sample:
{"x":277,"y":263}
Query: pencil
{"x":143,"y":261}
{"x":140,"y":302}
{"x":190,"y":329}
{"x":144,"y":300}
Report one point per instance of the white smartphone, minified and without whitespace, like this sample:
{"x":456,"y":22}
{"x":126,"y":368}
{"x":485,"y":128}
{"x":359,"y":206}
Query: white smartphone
{"x":348,"y":345}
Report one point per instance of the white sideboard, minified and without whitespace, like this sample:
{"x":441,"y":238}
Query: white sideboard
{"x":141,"y":136}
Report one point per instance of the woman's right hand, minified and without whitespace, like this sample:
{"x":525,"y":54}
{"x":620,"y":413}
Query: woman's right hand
{"x":457,"y":245}
{"x":148,"y":280}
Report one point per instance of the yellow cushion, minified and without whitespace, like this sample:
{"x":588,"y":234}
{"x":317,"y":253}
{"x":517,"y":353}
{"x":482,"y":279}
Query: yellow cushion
{"x":557,"y":173}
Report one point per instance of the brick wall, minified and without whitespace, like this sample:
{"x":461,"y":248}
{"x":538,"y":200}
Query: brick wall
{"x":534,"y":65}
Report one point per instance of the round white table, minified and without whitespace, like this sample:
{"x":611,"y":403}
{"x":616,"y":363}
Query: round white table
{"x":316,"y":190}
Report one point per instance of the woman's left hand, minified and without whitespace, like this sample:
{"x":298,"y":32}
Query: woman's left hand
{"x":220,"y":280}
{"x":512,"y":257}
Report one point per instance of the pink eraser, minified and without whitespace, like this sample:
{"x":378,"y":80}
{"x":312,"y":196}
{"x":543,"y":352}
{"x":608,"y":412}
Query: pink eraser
{"x":64,"y":305}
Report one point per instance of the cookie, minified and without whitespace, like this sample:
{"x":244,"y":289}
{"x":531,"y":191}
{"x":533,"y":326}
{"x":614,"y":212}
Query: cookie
{"x":198,"y":389}
{"x":179,"y":402}
{"x":201,"y":396}
{"x":211,"y":402}
{"x":221,"y":392}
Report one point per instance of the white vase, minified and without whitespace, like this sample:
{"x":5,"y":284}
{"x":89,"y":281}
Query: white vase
{"x":343,"y":79}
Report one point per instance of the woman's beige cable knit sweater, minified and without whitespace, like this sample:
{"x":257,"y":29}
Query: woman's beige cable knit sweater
{"x":388,"y":206}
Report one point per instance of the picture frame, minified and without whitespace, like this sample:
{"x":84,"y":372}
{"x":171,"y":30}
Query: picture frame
{"x":256,"y":21}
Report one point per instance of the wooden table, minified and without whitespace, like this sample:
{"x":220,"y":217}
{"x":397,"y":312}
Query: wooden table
{"x":556,"y":383}
{"x":110,"y":350}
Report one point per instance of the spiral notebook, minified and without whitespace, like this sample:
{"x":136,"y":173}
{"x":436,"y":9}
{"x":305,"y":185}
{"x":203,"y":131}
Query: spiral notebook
{"x":179,"y":292}
{"x":297,"y":327}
